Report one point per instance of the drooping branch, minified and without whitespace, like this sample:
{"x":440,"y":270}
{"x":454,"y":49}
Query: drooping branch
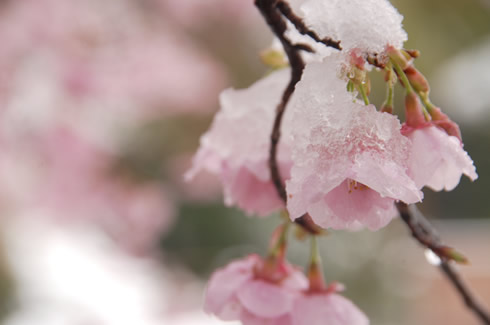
{"x":279,"y":27}
{"x":275,"y":20}
{"x":423,"y":232}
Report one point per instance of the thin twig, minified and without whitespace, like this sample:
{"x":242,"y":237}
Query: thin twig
{"x":286,"y":10}
{"x":423,"y":232}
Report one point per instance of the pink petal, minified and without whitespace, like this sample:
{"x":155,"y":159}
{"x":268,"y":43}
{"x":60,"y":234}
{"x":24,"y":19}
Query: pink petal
{"x":265,"y":299}
{"x":387,"y":177}
{"x":249,"y":319}
{"x":363,"y":205}
{"x":247,"y":191}
{"x":226,"y":281}
{"x":331,"y":309}
{"x":438,"y":160}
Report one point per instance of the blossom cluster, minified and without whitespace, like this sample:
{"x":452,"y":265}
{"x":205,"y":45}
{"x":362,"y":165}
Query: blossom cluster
{"x":344,"y":162}
{"x":277,"y":296}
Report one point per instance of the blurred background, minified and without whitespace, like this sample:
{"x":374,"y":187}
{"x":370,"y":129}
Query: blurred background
{"x":102,"y":104}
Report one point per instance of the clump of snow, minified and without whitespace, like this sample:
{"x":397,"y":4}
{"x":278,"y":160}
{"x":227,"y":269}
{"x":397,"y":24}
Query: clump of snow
{"x":369,"y":25}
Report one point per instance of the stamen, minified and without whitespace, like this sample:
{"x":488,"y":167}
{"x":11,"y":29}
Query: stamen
{"x":354,"y":185}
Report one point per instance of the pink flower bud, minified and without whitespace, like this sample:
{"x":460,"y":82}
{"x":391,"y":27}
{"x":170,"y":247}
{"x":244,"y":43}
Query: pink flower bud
{"x":417,"y":80}
{"x":398,"y":57}
{"x":414,"y":116}
{"x":413,"y":53}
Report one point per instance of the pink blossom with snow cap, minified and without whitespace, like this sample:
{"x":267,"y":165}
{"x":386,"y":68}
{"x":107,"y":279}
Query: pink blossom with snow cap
{"x":438,"y":159}
{"x":249,"y":291}
{"x":236,"y":147}
{"x":350,"y":161}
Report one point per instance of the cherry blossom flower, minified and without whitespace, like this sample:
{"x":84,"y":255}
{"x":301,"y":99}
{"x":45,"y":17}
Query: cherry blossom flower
{"x":240,"y":291}
{"x":350,"y":161}
{"x":438,"y":160}
{"x":236,"y":147}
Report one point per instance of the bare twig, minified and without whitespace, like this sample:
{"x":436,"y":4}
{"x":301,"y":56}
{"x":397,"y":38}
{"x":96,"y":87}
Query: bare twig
{"x":423,"y":232}
{"x":286,"y":10}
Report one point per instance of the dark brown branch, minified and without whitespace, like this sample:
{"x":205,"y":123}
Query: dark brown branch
{"x":286,"y":10}
{"x":423,"y":232}
{"x":274,"y":19}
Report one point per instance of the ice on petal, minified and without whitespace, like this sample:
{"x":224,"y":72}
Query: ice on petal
{"x":438,"y":160}
{"x":236,"y":147}
{"x":337,"y":140}
{"x":369,"y":25}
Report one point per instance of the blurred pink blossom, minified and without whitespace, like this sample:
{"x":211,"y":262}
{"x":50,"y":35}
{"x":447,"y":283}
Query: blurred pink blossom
{"x":192,"y":13}
{"x":239,"y":292}
{"x":70,"y":177}
{"x":112,"y":49}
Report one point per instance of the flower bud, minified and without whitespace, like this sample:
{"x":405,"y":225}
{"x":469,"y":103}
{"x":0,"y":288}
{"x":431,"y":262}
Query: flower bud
{"x":417,"y":80}
{"x":454,"y":255}
{"x":413,"y":53}
{"x":398,"y":57}
{"x":414,"y":115}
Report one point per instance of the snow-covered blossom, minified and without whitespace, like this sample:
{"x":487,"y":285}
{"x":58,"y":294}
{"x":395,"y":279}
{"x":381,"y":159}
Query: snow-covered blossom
{"x":237,"y":145}
{"x":350,"y":161}
{"x":239,"y":292}
{"x":438,"y":160}
{"x":368,"y":25}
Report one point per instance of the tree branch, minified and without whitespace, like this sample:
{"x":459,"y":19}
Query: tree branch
{"x":274,"y":19}
{"x":423,"y":232}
